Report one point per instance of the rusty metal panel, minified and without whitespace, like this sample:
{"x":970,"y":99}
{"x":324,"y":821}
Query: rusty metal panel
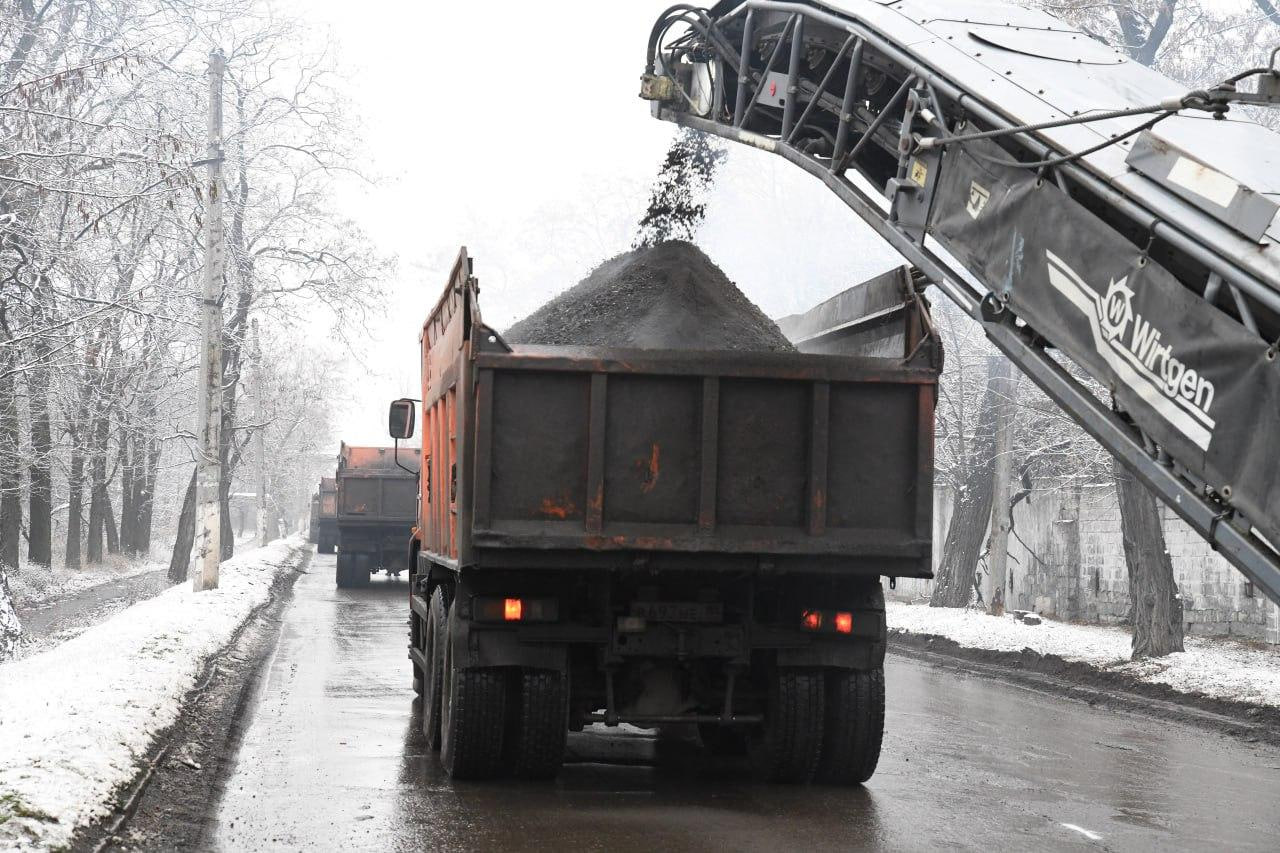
{"x":539,"y":462}
{"x":613,"y":457}
{"x":764,"y":437}
{"x":872,"y":474}
{"x":710,"y":450}
{"x":653,"y":453}
{"x":819,"y":457}
{"x":598,"y":403}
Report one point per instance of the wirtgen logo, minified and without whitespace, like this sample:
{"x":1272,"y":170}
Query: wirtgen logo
{"x":1132,"y":346}
{"x":978,"y":198}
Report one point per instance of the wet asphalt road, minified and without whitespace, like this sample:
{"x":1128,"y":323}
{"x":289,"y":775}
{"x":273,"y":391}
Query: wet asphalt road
{"x":333,"y":759}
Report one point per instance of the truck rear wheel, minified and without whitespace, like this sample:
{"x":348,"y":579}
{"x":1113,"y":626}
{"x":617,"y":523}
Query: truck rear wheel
{"x":472,"y":719}
{"x":540,"y":724}
{"x":433,"y":640}
{"x":786,"y":748}
{"x":343,"y":575}
{"x":854,"y":726}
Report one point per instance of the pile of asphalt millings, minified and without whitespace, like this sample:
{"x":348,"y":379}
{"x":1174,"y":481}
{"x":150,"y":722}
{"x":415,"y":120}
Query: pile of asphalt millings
{"x":666,"y":296}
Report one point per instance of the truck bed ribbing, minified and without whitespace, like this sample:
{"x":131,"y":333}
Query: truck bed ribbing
{"x":1148,"y":258}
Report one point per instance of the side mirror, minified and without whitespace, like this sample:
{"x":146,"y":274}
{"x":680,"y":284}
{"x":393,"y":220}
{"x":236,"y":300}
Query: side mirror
{"x":400,"y":419}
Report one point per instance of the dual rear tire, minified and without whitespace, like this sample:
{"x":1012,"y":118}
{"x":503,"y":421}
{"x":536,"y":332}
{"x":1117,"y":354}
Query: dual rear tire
{"x":352,"y":571}
{"x":489,"y":722}
{"x":820,"y":725}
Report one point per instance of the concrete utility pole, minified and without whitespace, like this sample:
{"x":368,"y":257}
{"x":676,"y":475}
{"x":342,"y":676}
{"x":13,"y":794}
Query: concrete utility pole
{"x":208,"y":547}
{"x":1002,"y":488}
{"x":259,"y":441}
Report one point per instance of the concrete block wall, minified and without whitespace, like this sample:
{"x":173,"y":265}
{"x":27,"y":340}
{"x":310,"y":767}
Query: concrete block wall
{"x":1067,"y":561}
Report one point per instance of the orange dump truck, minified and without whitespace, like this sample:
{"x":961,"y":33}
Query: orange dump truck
{"x":376,"y":506}
{"x":324,"y":516}
{"x":658,"y":537}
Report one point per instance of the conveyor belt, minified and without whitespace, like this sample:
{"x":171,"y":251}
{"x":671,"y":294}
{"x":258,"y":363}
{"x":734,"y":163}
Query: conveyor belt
{"x":1065,"y":196}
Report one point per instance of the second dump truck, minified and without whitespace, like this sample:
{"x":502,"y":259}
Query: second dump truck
{"x":663,"y":537}
{"x":376,"y":503}
{"x":324,"y":513}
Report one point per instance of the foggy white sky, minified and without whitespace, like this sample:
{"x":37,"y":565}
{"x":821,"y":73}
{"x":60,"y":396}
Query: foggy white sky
{"x":521,"y":136}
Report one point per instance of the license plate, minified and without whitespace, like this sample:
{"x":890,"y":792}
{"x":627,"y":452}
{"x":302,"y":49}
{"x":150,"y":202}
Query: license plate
{"x":678,"y":611}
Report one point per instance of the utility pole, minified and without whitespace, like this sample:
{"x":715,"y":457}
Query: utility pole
{"x":259,"y":441}
{"x":208,"y":548}
{"x":1006,"y":388}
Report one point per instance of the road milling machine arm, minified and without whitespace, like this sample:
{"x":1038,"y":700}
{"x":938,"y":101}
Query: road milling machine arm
{"x":1065,"y":196}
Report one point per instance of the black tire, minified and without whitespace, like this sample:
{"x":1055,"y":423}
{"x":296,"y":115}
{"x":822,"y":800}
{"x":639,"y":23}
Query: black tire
{"x":854,"y":726}
{"x":722,"y":741}
{"x":786,"y":748}
{"x":539,"y":724}
{"x":472,"y":718}
{"x":342,"y":572}
{"x":362,"y":569}
{"x":433,"y":638}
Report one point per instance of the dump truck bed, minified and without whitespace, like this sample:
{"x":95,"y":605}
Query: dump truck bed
{"x":589,"y":456}
{"x":372,"y":489}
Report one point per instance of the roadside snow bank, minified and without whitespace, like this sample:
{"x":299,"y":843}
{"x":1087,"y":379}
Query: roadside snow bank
{"x":1221,"y":669}
{"x":34,"y":585}
{"x":76,"y":720}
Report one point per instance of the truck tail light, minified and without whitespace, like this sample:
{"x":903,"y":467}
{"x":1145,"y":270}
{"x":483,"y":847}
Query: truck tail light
{"x":631,"y":624}
{"x":509,"y":608}
{"x":827,"y":621}
{"x":512,"y":609}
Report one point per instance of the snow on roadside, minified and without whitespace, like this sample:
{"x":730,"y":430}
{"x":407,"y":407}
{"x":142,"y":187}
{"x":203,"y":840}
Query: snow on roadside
{"x":1219,"y":668}
{"x":76,"y":720}
{"x":36,"y":585}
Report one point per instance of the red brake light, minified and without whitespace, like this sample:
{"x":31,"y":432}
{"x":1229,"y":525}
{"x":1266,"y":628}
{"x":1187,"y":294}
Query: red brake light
{"x":811,"y":620}
{"x":844,"y":623}
{"x":512,"y":609}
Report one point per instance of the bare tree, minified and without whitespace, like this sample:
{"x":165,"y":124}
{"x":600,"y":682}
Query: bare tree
{"x":99,"y":248}
{"x":953,"y":586}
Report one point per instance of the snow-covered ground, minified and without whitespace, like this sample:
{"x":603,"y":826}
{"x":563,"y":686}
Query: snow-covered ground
{"x":1219,"y":668}
{"x":76,"y":720}
{"x":34,"y":585}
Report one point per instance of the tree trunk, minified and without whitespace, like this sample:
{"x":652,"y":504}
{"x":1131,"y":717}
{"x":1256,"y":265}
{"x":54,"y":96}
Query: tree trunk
{"x":953,"y":586}
{"x":97,"y":490}
{"x":180,"y":561}
{"x":109,"y":524}
{"x":10,"y":627}
{"x":75,"y":505}
{"x":146,"y":496}
{"x":128,"y":494}
{"x":227,"y":536}
{"x":1001,"y":490}
{"x":1153,"y":592}
{"x":10,"y":469}
{"x":40,"y":472}
{"x":93,"y":549}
